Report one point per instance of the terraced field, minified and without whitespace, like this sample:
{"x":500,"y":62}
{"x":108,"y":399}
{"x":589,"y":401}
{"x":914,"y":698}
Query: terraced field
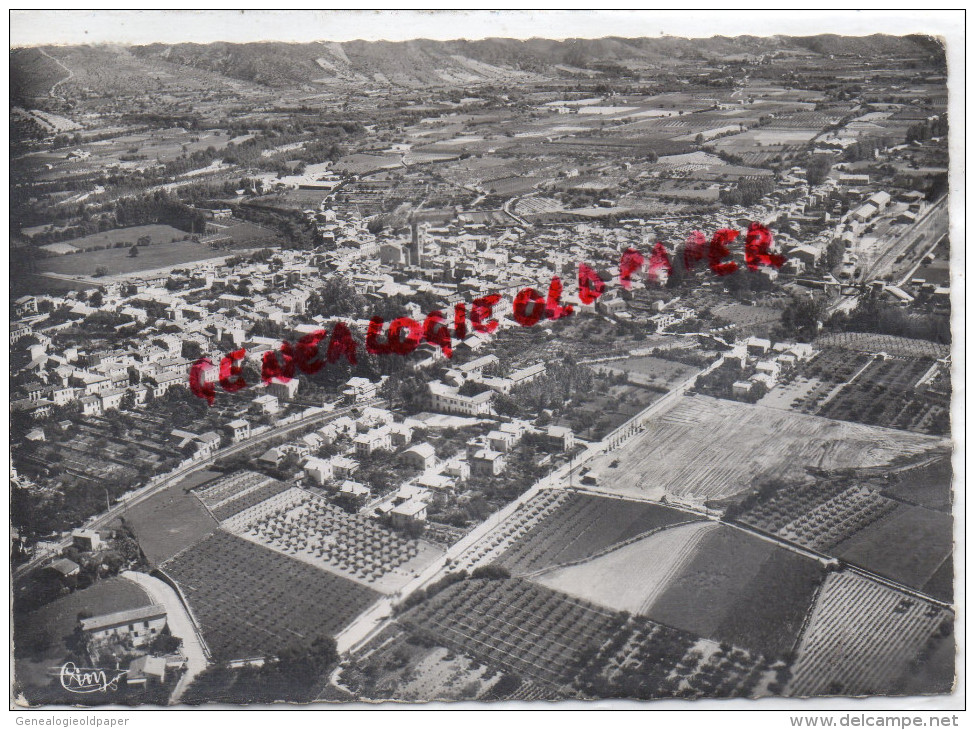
{"x":862,"y":636}
{"x":706,"y":448}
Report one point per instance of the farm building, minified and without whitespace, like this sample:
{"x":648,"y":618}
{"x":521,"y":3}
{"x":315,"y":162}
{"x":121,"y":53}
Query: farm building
{"x":141,"y":625}
{"x":865,"y":212}
{"x":757,"y":346}
{"x":146,"y":668}
{"x":86,"y":540}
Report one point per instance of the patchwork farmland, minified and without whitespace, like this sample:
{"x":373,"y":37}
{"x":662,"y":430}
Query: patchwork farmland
{"x":564,"y":646}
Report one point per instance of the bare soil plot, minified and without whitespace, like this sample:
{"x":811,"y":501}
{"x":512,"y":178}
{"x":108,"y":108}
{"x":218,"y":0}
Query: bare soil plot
{"x":707,"y":448}
{"x":908,"y":545}
{"x":862,"y":636}
{"x":171,"y":520}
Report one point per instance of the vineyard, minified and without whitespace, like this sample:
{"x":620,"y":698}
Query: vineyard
{"x":861,"y":636}
{"x":581,"y":526}
{"x":227,"y":488}
{"x":248,"y":499}
{"x":250,"y":601}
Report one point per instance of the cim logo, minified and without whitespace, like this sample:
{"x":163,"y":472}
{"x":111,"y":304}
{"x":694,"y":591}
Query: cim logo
{"x":85,"y":680}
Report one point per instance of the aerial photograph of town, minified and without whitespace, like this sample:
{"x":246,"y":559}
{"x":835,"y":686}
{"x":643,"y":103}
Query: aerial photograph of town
{"x":511,"y":369}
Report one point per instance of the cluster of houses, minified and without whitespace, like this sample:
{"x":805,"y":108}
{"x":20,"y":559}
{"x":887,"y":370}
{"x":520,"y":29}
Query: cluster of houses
{"x":768,"y":362}
{"x":378,"y":429}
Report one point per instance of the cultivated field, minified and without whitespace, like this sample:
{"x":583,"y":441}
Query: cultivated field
{"x":583,"y":525}
{"x":896,"y":346}
{"x":559,"y":645}
{"x":740,"y":589}
{"x":908,"y":545}
{"x":117,"y":260}
{"x":862,"y":636}
{"x":652,"y":371}
{"x":926,"y":486}
{"x":746,"y":315}
{"x":630,"y":578}
{"x":888,"y":394}
{"x":819,"y":515}
{"x":171,"y":520}
{"x":707,"y":448}
{"x":250,"y":601}
{"x":524,"y":628}
{"x":126,"y":237}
